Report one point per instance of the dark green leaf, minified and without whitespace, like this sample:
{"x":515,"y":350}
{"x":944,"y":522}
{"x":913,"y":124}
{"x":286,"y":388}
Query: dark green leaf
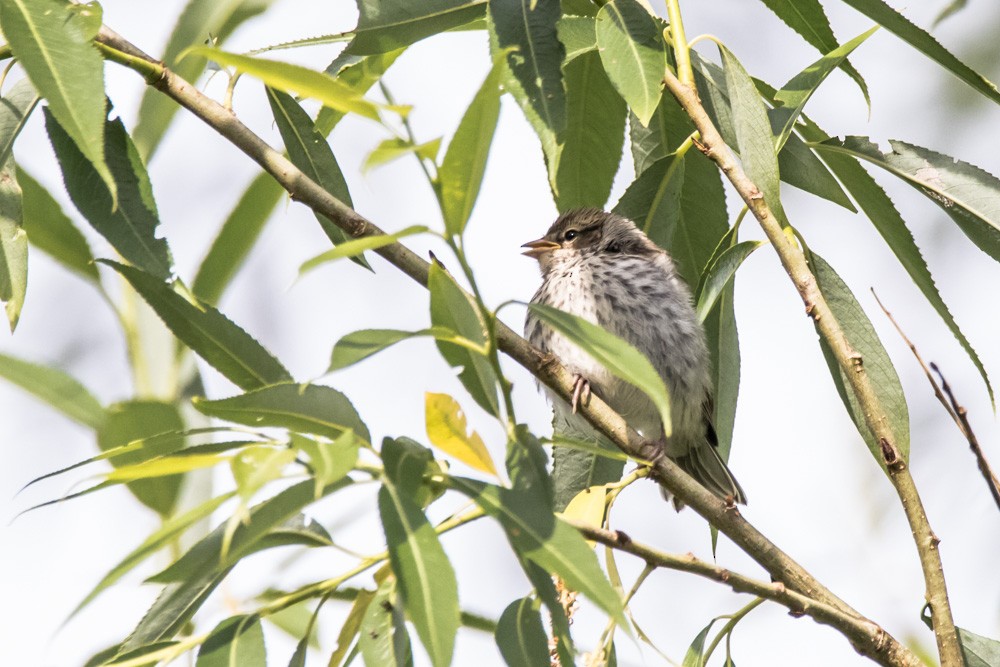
{"x":578,"y":35}
{"x":306,"y":408}
{"x":56,"y":388}
{"x":558,"y":622}
{"x":67,"y":71}
{"x":383,"y":637}
{"x":653,"y":200}
{"x":525,"y":33}
{"x":51,"y":231}
{"x":384,"y":25}
{"x":696,"y":651}
{"x":210,"y":334}
{"x":718,"y":275}
{"x":977,"y":650}
{"x":922,"y":41}
{"x":131,"y":226}
{"x":200,"y":21}
{"x":633,"y":53}
{"x":461,"y":172}
{"x":427,"y":582}
{"x":236,"y":238}
{"x":807,"y":18}
{"x":452,"y":309}
{"x":359,"y":345}
{"x":591,"y":146}
{"x":949,"y":9}
{"x":574,"y":470}
{"x":236,"y":641}
{"x":13,"y":245}
{"x":528,"y":467}
{"x":521,"y":636}
{"x":885,"y":382}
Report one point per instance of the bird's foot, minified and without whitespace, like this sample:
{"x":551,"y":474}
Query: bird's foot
{"x":581,"y":391}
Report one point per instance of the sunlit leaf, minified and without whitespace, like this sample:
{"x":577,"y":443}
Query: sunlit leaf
{"x":387,"y":25}
{"x":447,"y":430}
{"x":395,"y":148}
{"x":355,"y":247}
{"x":56,"y":388}
{"x":352,"y":625}
{"x":589,"y":506}
{"x":330,"y":461}
{"x":238,"y":640}
{"x":255,"y":466}
{"x":383,"y":637}
{"x":633,"y":53}
{"x":578,"y":35}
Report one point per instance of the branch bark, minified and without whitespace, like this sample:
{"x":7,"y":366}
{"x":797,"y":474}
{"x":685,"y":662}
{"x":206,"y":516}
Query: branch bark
{"x":727,"y":518}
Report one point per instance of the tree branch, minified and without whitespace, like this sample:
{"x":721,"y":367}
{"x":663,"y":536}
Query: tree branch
{"x":725,"y":517}
{"x":794,"y":262}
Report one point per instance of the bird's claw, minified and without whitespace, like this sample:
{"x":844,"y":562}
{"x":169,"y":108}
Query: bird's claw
{"x":581,"y":391}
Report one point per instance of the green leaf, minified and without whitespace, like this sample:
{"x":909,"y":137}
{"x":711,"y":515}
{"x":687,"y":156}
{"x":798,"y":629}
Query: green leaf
{"x":210,"y":334}
{"x":922,"y":41}
{"x":133,"y":420}
{"x":352,"y":625}
{"x":383,"y":638}
{"x":578,"y":35}
{"x":719,"y":273}
{"x":238,"y":640}
{"x":426,"y":578}
{"x":296,"y":79}
{"x":309,"y":151}
{"x":256,"y":466}
{"x":236,"y":238}
{"x":305,"y":408}
{"x":615,"y":354}
{"x":165,"y":466}
{"x":13,"y":246}
{"x":695,"y":654}
{"x":51,"y":231}
{"x":794,"y":94}
{"x":546,"y":540}
{"x":464,"y":163}
{"x":330,"y":461}
{"x":406,"y":462}
{"x":753,"y":133}
{"x":968,"y":194}
{"x":395,"y":148}
{"x":807,"y":18}
{"x":581,"y":458}
{"x":200,"y":20}
{"x":452,"y":309}
{"x":358,"y":72}
{"x":56,"y":388}
{"x":977,"y":650}
{"x":67,"y":71}
{"x":15,"y":109}
{"x":528,"y":467}
{"x":882,"y":374}
{"x":384,"y":25}
{"x":591,"y":145}
{"x":633,"y":53}
{"x":355,"y":247}
{"x":447,"y":430}
{"x":558,"y":622}
{"x":526,"y":35}
{"x":130,"y":225}
{"x":951,"y":8}
{"x":521,"y":636}
{"x":653,"y":200}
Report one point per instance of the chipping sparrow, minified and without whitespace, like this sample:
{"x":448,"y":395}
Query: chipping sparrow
{"x":601,"y":267}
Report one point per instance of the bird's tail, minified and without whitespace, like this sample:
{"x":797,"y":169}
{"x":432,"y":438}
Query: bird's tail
{"x":704,"y":463}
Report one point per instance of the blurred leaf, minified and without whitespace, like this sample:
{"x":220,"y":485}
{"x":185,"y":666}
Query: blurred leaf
{"x":238,"y":640}
{"x":306,"y":408}
{"x":358,"y":72}
{"x":309,"y":151}
{"x":969,"y":195}
{"x":136,"y":419}
{"x":589,"y":506}
{"x":807,"y":18}
{"x":615,"y":354}
{"x":384,"y":25}
{"x":578,"y":35}
{"x":696,"y":651}
{"x":289,"y":78}
{"x":298,"y":622}
{"x":521,"y":636}
{"x":653,"y":200}
{"x":406,"y":462}
{"x":130,"y":226}
{"x":13,"y":245}
{"x":590,"y":147}
{"x":452,"y":309}
{"x":355,"y":247}
{"x":56,"y":388}
{"x":255,"y":466}
{"x":526,"y":36}
{"x":753,"y":133}
{"x":164,"y":466}
{"x":15,"y":109}
{"x":359,"y":345}
{"x":951,"y":8}
{"x":426,"y":578}
{"x":236,"y":238}
{"x":201,"y":20}
{"x":330,"y":461}
{"x":858,"y":330}
{"x":528,"y":467}
{"x":395,"y":148}
{"x":351,"y":627}
{"x":633,"y":54}
{"x":541,"y":537}
{"x":461,"y":171}
{"x":717,"y":275}
{"x":66,"y":69}
{"x":580,"y":461}
{"x":383,"y":638}
{"x":922,"y":41}
{"x":210,"y":334}
{"x":447,"y":430}
{"x":977,"y":650}
{"x":559,"y":624}
{"x":52,"y":232}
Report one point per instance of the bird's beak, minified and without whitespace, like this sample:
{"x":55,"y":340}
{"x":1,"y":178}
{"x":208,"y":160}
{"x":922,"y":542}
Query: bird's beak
{"x":538,"y":248}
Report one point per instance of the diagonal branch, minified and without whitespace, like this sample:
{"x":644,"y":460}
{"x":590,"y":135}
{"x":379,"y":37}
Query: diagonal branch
{"x":726,"y":517}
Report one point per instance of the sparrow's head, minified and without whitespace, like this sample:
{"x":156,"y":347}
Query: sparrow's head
{"x":589,"y":232}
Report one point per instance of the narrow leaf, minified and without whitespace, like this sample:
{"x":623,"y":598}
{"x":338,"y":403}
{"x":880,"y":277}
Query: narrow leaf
{"x":352,"y":625}
{"x":355,"y":247}
{"x":56,"y":388}
{"x":719,"y":273}
{"x":395,"y":148}
{"x":238,"y":640}
{"x":448,"y":431}
{"x":383,"y":638}
{"x":521,"y":636}
{"x":357,"y":72}
{"x":694,"y":657}
{"x":13,"y":246}
{"x":633,"y":53}
{"x":385,"y":26}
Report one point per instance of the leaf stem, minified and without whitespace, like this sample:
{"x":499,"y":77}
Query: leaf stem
{"x":681,"y":53}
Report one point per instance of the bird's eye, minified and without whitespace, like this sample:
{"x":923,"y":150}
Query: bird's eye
{"x":613,"y":247}
{"x":570,"y":235}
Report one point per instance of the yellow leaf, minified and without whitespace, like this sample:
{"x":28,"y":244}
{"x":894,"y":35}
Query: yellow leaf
{"x":447,"y":430}
{"x":588,"y":506}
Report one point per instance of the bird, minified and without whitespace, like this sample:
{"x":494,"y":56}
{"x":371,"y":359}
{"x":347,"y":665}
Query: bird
{"x":601,"y":267}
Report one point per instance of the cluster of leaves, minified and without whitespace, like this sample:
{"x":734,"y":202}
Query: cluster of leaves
{"x":580,"y":71}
